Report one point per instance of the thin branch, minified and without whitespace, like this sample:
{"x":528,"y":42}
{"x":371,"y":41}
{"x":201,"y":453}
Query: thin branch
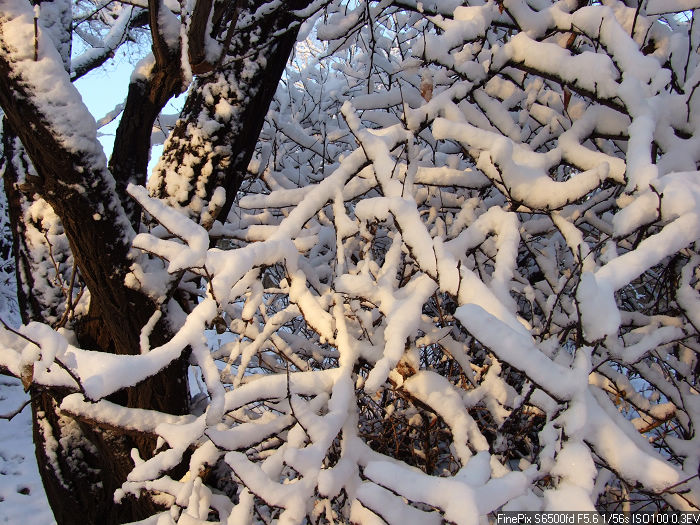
{"x":16,"y":412}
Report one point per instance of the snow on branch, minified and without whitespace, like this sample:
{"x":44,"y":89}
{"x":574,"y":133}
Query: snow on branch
{"x":464,"y":279}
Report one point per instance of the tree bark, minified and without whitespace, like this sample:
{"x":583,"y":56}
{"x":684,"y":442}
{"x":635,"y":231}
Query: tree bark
{"x":145,"y":100}
{"x":82,"y":465}
{"x":222,"y":161}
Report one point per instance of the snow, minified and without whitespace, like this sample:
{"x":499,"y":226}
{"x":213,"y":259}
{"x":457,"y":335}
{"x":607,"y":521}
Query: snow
{"x":428,"y":386}
{"x":519,"y":351}
{"x":600,"y":72}
{"x":528,"y":181}
{"x":143,"y":68}
{"x":462,"y":503}
{"x":599,"y":314}
{"x":672,"y":238}
{"x":112,"y":40}
{"x":52,"y":92}
{"x":195,"y":236}
{"x":48,"y":88}
{"x":22,"y":498}
{"x":451,"y":236}
{"x":655,"y":7}
{"x":408,"y":221}
{"x":54,"y":17}
{"x":577,"y":471}
{"x":688,"y":298}
{"x":630,"y":457}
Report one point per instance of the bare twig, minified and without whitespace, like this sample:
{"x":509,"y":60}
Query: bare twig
{"x":18,"y":411}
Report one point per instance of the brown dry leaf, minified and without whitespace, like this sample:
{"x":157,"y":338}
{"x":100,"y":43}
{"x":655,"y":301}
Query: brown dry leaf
{"x":219,"y":324}
{"x":426,"y":87}
{"x":570,"y":41}
{"x":405,"y":369}
{"x":27,"y":376}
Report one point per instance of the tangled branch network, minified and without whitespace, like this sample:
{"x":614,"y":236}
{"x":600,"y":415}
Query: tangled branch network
{"x":463,"y":278}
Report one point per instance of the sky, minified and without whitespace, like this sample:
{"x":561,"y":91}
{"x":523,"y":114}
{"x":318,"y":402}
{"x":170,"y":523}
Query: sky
{"x":106,"y":87}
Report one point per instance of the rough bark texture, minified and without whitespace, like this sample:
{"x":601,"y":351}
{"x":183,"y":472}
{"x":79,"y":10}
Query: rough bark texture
{"x":81,"y":476}
{"x":82,"y":465}
{"x":223,"y":159}
{"x":29,"y":304}
{"x":132,"y":143}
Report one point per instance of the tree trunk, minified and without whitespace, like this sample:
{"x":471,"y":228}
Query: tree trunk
{"x":246,"y":83}
{"x":81,"y":464}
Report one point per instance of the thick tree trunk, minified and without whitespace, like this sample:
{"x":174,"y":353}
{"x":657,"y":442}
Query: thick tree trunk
{"x":246,"y":83}
{"x":82,"y":465}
